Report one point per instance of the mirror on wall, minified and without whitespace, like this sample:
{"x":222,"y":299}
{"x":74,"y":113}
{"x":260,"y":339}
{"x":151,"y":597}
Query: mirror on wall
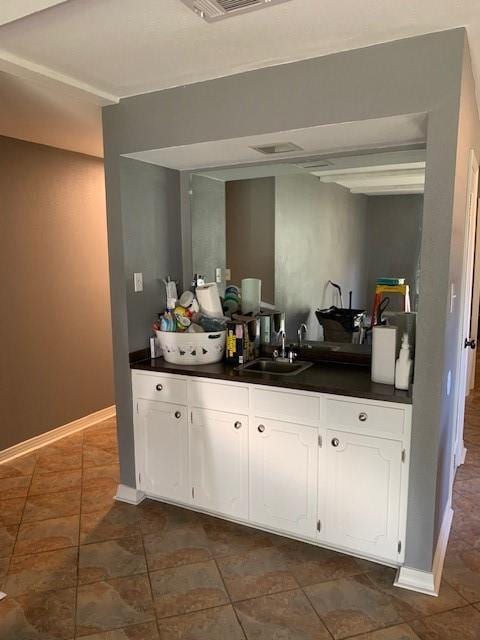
{"x":317,"y":233}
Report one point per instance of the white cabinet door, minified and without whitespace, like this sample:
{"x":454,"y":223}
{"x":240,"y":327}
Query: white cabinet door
{"x":362,"y":483}
{"x":219,"y":461}
{"x":163,"y":442}
{"x":283,"y":476}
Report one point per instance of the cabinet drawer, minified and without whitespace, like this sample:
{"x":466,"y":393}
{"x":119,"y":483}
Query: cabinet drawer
{"x":160,"y":388}
{"x":218,"y":396}
{"x":363,"y":416}
{"x":286,"y":405}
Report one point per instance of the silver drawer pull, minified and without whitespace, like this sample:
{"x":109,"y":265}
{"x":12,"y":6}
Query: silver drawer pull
{"x":335,"y":442}
{"x":238,"y":425}
{"x":159,"y":387}
{"x":261,"y":428}
{"x":178,"y":415}
{"x":362,"y":416}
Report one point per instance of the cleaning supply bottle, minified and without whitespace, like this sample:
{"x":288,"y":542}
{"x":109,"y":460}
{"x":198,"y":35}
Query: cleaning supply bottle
{"x":403,"y":367}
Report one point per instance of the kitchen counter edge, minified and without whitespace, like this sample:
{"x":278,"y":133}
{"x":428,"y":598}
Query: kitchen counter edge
{"x":336,"y":379}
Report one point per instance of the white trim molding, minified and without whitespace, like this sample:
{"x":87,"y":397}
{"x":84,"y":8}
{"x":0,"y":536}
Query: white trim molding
{"x":428,"y":582}
{"x":23,"y":68}
{"x":48,"y":437}
{"x":129,"y":494}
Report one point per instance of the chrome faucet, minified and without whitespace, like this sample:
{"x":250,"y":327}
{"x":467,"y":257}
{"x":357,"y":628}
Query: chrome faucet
{"x":283,"y":353}
{"x":283,"y":356}
{"x":302,"y":329}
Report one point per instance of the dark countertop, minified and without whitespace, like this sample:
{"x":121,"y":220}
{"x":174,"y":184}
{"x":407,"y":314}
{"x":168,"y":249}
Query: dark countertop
{"x":340,"y":379}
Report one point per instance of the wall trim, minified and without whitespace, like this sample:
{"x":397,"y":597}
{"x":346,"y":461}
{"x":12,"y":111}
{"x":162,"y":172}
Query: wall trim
{"x":48,"y":437}
{"x":129,"y":494}
{"x":428,"y":582}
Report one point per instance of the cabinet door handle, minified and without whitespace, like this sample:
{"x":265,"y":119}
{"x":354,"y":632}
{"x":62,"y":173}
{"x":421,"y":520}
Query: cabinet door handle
{"x":335,"y":442}
{"x":159,"y":387}
{"x":363,"y":416}
{"x":178,"y":415}
{"x":238,"y":425}
{"x":261,"y":428}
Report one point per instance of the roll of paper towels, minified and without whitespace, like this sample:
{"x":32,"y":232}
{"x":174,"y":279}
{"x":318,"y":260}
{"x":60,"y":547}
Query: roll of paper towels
{"x":209,"y":300}
{"x":384,"y":354}
{"x":251,"y":295}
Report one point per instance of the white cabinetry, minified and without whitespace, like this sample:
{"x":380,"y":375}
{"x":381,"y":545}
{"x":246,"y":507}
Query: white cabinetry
{"x":362,"y":489}
{"x":161,"y":442}
{"x":219,"y":462}
{"x":329,"y":469}
{"x":283,"y":476}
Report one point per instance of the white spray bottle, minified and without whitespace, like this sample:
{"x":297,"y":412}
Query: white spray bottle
{"x":403,"y":367}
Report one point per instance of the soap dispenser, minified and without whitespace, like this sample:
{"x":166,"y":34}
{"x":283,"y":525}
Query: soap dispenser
{"x":403,"y":367}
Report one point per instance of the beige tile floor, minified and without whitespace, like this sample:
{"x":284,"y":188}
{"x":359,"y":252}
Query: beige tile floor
{"x":75,"y":564}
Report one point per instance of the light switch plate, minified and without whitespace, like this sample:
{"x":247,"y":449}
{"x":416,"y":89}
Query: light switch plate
{"x":218,"y":275}
{"x":138,"y":282}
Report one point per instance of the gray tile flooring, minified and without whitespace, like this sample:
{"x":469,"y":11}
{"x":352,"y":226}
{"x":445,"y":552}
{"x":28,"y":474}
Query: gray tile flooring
{"x":76,"y":564}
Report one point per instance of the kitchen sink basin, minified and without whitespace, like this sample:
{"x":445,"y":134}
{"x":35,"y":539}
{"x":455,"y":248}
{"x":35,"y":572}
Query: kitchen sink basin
{"x":267,"y":365}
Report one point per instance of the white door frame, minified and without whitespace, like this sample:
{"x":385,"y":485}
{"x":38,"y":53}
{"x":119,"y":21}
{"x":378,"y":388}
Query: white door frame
{"x":475,"y":308}
{"x":466,"y":290}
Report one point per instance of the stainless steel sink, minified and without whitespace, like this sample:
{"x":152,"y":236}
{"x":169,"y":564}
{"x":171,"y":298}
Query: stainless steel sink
{"x":267,"y":365}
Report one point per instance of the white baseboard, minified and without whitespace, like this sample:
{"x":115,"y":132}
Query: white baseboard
{"x":129,"y":494}
{"x":463,"y":454}
{"x":48,"y":437}
{"x":428,"y":581}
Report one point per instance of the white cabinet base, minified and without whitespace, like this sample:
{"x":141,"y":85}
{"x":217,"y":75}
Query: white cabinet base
{"x":324,"y":469}
{"x":385,"y":562}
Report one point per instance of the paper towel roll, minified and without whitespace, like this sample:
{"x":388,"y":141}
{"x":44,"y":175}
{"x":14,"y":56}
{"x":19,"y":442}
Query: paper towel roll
{"x":384,"y":353}
{"x":251,"y":295}
{"x":209,"y":300}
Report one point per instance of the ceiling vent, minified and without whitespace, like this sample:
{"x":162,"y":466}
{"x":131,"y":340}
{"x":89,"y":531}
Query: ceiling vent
{"x":314,"y":164}
{"x":212,"y":10}
{"x":277,"y":147}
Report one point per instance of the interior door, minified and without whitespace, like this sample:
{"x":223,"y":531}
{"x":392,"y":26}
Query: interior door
{"x":363,"y":492}
{"x":164,"y":440}
{"x":467,"y":345}
{"x":283,"y":476}
{"x":219,"y":461}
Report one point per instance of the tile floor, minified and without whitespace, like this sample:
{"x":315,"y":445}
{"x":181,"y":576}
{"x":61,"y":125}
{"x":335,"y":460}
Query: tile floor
{"x":75,"y":564}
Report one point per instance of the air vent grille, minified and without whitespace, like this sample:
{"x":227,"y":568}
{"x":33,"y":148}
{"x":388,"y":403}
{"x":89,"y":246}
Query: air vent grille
{"x":277,"y":147}
{"x":211,"y":10}
{"x":234,"y":5}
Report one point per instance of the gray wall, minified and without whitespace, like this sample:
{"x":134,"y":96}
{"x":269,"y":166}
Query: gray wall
{"x":468,"y":138}
{"x":152,"y":242}
{"x":321,"y":236}
{"x":415,"y":75}
{"x":393,"y":242}
{"x":250,"y":232}
{"x":55,"y":320}
{"x":208,"y":226}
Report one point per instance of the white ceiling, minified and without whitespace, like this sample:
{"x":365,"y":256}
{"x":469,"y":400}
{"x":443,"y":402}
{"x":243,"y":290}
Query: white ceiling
{"x":14,"y":9}
{"x":390,"y":172}
{"x":109,"y":49}
{"x":376,"y":133}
